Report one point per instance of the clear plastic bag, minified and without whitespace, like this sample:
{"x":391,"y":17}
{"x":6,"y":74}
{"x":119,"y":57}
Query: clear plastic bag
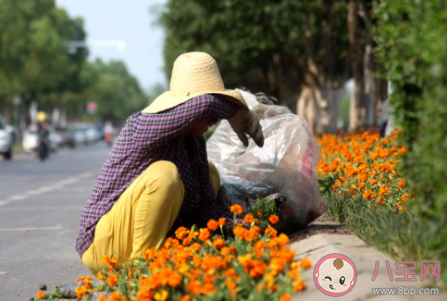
{"x":286,"y":164}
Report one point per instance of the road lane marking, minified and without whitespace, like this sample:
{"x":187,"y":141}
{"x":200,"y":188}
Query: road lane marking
{"x":31,"y":229}
{"x":52,"y":187}
{"x":2,"y":273}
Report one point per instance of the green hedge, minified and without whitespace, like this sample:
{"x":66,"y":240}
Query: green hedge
{"x":412,"y":39}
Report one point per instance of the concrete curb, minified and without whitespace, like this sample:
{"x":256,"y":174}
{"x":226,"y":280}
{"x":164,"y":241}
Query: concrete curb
{"x":364,"y":258}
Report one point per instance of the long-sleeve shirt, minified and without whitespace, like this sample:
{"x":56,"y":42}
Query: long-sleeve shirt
{"x":147,"y":138}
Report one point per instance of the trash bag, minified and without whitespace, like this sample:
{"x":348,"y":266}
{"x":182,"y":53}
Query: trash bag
{"x":286,"y":164}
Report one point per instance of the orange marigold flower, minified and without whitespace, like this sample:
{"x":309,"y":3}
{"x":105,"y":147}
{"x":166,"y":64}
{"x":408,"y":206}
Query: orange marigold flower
{"x":221,"y":221}
{"x":283,"y":239}
{"x":270,"y":232}
{"x":382,"y":191}
{"x":113,"y":280}
{"x":299,"y":285}
{"x":285,"y":297}
{"x":40,"y":295}
{"x":305,"y":263}
{"x":195,"y":287}
{"x":81,"y":292}
{"x":240,"y":232}
{"x":188,"y":238}
{"x":404,"y":197}
{"x":115,"y":296}
{"x":362,"y":177}
{"x":212,"y":225}
{"x":196,"y":247}
{"x":373,"y":182}
{"x":231,"y":286}
{"x":209,"y":288}
{"x":368,"y":194}
{"x":248,"y":219}
{"x":204,"y":234}
{"x":88,"y":282}
{"x":109,"y":261}
{"x":361,"y":186}
{"x":144,"y":294}
{"x":161,"y":295}
{"x":228,"y":250}
{"x":273,"y":219}
{"x":258,"y":269}
{"x":237,"y":209}
{"x":81,"y":278}
{"x":149,"y":253}
{"x":253,"y":233}
{"x":186,"y":298}
{"x":100,"y":276}
{"x":175,"y":279}
{"x":259,"y":212}
{"x":401,"y":184}
{"x":102,"y":298}
{"x":218,"y":243}
{"x":181,"y":232}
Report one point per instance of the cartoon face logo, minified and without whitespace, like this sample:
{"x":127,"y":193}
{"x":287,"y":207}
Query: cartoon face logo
{"x":335,"y":275}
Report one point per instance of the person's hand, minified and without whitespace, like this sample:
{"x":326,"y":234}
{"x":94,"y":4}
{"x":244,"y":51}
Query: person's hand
{"x":245,"y":122}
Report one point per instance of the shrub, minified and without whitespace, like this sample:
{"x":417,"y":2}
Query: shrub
{"x":413,"y":50}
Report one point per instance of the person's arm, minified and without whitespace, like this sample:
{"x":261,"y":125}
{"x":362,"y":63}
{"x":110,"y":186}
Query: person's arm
{"x":154,"y":130}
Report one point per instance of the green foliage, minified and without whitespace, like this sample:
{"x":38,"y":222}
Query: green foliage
{"x":259,"y":44}
{"x":262,"y":211}
{"x":117,"y":93}
{"x":403,"y":236}
{"x":56,"y":295}
{"x":35,"y":62}
{"x":413,"y":50}
{"x":33,"y":57}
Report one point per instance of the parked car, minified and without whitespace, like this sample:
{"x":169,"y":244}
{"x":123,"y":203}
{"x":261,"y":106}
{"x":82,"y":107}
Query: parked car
{"x":6,"y":139}
{"x":100,"y":129}
{"x":67,"y":137}
{"x":92,"y":133}
{"x":30,"y":139}
{"x":79,"y":134}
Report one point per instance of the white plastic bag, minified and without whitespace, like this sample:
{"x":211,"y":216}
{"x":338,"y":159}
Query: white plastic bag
{"x":286,"y":164}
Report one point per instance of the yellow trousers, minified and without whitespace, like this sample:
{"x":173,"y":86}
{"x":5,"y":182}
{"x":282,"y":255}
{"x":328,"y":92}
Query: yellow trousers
{"x":141,"y":217}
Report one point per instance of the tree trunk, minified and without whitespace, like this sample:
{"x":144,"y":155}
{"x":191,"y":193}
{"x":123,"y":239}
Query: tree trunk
{"x":357,"y":112}
{"x":369,"y":84}
{"x":320,"y":109}
{"x":380,"y":96}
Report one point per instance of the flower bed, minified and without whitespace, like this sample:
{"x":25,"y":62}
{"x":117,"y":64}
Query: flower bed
{"x":364,"y":168}
{"x":206,"y":264}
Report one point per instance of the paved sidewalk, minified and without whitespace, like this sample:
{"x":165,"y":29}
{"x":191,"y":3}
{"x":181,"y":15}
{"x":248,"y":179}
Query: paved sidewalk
{"x":364,"y":258}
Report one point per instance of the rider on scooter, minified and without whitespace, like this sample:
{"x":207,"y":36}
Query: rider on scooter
{"x":43,"y":131}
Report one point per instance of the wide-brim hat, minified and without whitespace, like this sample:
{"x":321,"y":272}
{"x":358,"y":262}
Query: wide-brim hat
{"x":193,"y":74}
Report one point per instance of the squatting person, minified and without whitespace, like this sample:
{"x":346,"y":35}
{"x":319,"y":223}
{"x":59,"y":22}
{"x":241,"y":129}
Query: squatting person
{"x":157,"y":172}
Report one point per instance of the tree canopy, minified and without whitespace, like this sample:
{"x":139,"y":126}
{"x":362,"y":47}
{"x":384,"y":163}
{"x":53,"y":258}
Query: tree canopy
{"x":36,"y":63}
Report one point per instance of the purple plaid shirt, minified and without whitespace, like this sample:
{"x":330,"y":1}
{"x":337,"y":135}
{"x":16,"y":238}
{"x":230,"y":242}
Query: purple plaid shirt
{"x":147,"y":138}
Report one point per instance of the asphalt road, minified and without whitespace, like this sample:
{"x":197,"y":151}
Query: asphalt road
{"x":40,"y":206}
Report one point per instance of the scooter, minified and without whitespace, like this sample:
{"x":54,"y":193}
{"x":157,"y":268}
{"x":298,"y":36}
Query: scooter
{"x":108,"y":138}
{"x":43,"y":149}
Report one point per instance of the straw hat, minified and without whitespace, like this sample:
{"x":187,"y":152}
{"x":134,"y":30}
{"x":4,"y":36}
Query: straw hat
{"x":193,"y":74}
{"x":41,"y":116}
